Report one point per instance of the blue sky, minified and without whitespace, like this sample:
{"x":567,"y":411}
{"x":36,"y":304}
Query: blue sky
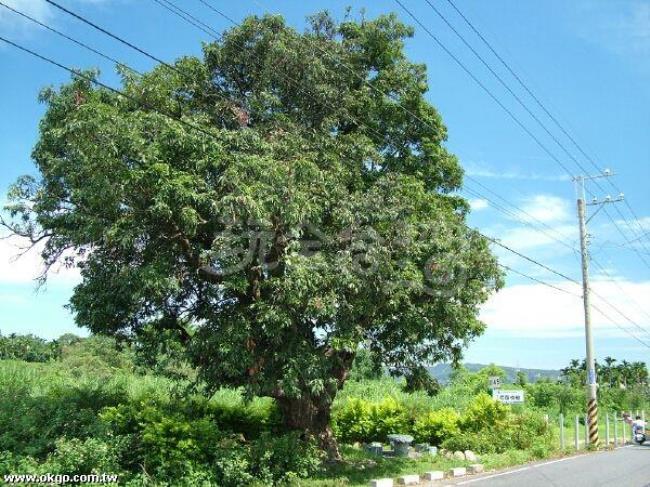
{"x":587,"y":61}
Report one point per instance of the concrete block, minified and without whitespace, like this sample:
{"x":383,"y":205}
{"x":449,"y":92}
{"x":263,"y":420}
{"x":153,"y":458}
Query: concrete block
{"x":434,"y":475}
{"x":409,"y":480}
{"x":381,"y":483}
{"x":476,"y":468}
{"x":458,"y":472}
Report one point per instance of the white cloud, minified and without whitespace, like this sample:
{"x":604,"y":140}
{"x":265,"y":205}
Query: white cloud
{"x":535,"y":310}
{"x":481,"y":170}
{"x":546,"y":209}
{"x":478,"y":204}
{"x":524,"y":238}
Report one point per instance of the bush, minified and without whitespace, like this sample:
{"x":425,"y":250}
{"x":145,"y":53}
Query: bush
{"x":484,"y":412}
{"x":359,"y":420}
{"x":86,"y":456}
{"x":525,"y":431}
{"x":436,"y":426}
{"x":389,"y":417}
{"x":352,"y":422}
{"x":31,"y":423}
{"x":530,"y":429}
{"x":276,"y":459}
{"x":97,"y":354}
{"x":248,"y":418}
{"x":486,"y":441}
{"x":163,"y":439}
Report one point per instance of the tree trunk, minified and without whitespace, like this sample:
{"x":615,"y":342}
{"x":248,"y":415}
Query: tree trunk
{"x":311,"y":415}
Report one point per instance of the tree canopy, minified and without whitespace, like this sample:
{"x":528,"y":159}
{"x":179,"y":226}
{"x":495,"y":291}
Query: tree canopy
{"x":279,"y":201}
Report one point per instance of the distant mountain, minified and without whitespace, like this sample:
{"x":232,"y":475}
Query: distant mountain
{"x":442,"y":372}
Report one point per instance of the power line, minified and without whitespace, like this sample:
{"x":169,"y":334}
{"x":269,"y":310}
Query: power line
{"x":529,"y":259}
{"x":219,"y":12}
{"x":539,"y":281}
{"x":205,"y":132}
{"x":188,"y":17}
{"x":617,"y":284}
{"x":609,"y":318}
{"x":190,"y":125}
{"x":234,"y":22}
{"x":527,"y":223}
{"x":536,"y":99}
{"x":551,"y":233}
{"x":65,"y":36}
{"x":509,"y":112}
{"x":578,"y":296}
{"x":107,"y":87}
{"x":111,"y":35}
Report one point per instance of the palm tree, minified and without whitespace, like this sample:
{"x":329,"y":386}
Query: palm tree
{"x":608,"y":371}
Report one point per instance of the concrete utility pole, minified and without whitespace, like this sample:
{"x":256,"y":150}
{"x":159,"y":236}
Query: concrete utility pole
{"x":592,"y":387}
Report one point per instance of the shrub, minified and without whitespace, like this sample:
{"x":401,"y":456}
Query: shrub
{"x":250,"y":419}
{"x":30,"y":423}
{"x":90,"y":455}
{"x":525,"y":431}
{"x":276,"y":459}
{"x":436,"y":426}
{"x":484,"y":412}
{"x":359,"y":420}
{"x":352,"y":422}
{"x":163,"y":439}
{"x":478,"y":441}
{"x":530,"y":429}
{"x":388,"y":417}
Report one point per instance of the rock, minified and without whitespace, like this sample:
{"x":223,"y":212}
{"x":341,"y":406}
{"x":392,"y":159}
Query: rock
{"x":471,"y":456}
{"x":459,"y":455}
{"x":476,"y":468}
{"x":433,"y":451}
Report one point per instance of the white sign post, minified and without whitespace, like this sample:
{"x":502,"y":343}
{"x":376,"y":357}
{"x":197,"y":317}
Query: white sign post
{"x":494,"y":382}
{"x":508,"y":397}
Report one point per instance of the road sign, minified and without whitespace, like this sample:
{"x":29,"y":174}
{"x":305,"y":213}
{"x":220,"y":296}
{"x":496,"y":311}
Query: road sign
{"x":494,"y":382}
{"x":509,"y":397}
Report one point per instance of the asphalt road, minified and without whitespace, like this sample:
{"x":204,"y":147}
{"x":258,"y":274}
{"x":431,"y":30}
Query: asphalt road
{"x":623,"y":467}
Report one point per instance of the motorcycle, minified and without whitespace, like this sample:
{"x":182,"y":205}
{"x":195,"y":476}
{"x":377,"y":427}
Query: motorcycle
{"x":639,"y":437}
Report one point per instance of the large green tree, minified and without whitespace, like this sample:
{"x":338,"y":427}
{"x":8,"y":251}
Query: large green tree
{"x":277,"y":202}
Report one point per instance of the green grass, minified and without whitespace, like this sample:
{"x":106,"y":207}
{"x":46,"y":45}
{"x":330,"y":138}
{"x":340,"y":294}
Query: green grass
{"x":360,"y":467}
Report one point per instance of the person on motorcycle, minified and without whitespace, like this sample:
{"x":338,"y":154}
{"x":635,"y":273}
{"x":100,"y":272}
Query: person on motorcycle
{"x":638,"y":425}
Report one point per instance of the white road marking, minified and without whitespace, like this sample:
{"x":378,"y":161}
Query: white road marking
{"x":529,"y":467}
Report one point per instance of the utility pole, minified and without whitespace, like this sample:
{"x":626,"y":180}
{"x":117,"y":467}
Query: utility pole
{"x":592,"y":387}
